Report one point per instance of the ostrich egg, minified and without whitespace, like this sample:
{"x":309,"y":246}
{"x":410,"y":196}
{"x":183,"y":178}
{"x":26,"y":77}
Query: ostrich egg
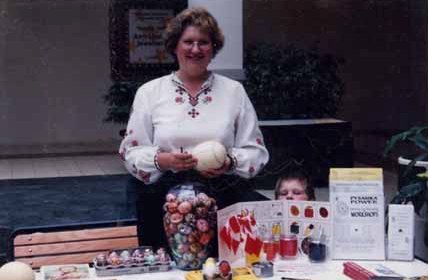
{"x":210,"y":155}
{"x":16,"y":271}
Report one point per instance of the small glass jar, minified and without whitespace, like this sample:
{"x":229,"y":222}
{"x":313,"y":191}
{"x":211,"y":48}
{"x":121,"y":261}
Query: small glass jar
{"x":288,"y":246}
{"x":317,"y":251}
{"x":269,"y":249}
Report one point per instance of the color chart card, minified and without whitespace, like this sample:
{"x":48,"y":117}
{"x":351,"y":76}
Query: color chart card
{"x":244,"y":226}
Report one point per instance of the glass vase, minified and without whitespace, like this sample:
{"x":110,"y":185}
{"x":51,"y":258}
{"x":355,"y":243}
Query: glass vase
{"x":189,"y":223}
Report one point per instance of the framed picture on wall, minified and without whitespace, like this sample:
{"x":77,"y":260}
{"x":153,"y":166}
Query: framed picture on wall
{"x":136,"y":37}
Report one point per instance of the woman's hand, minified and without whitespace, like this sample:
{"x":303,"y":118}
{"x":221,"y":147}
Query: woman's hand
{"x":176,"y":161}
{"x":212,"y":173}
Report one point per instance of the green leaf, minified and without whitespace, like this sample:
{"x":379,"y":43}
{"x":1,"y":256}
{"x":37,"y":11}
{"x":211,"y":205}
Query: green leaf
{"x":420,"y":141}
{"x":423,"y":175}
{"x":398,"y":199}
{"x":412,"y":190}
{"x":413,"y":162}
{"x":393,"y":142}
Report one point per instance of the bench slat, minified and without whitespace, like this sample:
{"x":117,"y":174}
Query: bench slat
{"x":59,"y":260}
{"x":75,"y":247}
{"x":74,"y":235}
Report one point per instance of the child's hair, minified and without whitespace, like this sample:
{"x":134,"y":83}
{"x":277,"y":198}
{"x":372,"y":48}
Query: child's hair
{"x":298,"y":174}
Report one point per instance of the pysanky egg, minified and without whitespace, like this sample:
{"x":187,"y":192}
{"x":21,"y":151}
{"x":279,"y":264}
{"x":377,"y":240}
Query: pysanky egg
{"x":209,"y":268}
{"x":16,"y":271}
{"x":210,"y":155}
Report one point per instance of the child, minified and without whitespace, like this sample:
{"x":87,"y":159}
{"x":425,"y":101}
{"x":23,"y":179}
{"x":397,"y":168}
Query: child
{"x":294,"y":186}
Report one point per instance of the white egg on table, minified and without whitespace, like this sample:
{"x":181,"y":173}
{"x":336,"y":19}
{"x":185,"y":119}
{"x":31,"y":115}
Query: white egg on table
{"x":210,"y":155}
{"x":16,"y":271}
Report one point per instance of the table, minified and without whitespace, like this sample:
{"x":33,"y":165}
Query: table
{"x":330,"y":270}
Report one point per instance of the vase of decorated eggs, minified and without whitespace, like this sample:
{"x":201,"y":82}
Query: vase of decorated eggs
{"x":189,"y":223}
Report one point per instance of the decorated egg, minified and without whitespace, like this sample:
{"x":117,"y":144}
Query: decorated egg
{"x":171,"y":207}
{"x":184,"y":207}
{"x":170,"y":197}
{"x":209,"y":268}
{"x":114,"y":259}
{"x":184,"y":229}
{"x":125,"y":256}
{"x":202,"y":225}
{"x":188,"y":257}
{"x":101,"y":260}
{"x":176,"y":218}
{"x":224,"y":268}
{"x":205,"y":238}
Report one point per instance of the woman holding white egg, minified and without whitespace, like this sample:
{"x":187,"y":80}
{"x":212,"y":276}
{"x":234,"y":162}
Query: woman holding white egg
{"x":192,"y":124}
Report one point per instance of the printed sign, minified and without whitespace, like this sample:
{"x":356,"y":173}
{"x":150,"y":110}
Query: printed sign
{"x":357,"y":201}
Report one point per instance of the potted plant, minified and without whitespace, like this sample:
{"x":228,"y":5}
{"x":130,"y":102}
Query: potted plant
{"x":413,"y":179}
{"x":292,"y":83}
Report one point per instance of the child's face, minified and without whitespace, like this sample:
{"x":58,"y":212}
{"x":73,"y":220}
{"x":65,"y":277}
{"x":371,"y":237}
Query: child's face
{"x":293,"y":189}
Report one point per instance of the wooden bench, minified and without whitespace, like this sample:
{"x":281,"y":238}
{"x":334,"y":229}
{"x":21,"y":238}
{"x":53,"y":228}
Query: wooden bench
{"x":77,"y":243}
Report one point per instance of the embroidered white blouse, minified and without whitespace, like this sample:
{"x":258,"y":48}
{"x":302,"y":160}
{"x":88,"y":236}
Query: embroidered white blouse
{"x":166,"y":118}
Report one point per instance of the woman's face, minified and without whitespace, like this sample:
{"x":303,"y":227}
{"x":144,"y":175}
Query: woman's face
{"x":194,"y":51}
{"x":292,"y":189}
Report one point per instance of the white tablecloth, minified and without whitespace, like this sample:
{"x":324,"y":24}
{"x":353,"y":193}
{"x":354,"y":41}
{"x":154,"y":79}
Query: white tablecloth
{"x":317,"y":271}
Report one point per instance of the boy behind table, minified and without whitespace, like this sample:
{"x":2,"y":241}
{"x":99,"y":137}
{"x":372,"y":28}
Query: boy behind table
{"x":294,"y":185}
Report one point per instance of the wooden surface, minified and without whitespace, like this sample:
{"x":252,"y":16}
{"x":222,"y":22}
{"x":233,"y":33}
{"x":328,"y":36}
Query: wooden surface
{"x":74,"y":235}
{"x":73,"y":246}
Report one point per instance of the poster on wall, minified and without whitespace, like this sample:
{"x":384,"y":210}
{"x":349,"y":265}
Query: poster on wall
{"x":146,"y":44}
{"x":357,"y":201}
{"x":136,"y":30}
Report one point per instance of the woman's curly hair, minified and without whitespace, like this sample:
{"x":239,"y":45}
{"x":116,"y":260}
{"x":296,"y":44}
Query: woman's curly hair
{"x":194,"y":16}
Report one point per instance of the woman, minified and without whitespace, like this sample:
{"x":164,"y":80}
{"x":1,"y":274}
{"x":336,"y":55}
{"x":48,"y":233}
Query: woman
{"x":172,"y":114}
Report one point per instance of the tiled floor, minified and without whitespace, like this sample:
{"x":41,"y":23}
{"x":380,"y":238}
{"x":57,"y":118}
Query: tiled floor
{"x":60,"y":167}
{"x":111,"y":164}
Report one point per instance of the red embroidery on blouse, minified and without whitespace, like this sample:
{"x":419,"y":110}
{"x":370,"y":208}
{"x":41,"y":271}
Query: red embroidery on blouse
{"x":251,"y":169}
{"x":193,"y":100}
{"x":145,"y":176}
{"x":207,"y":99}
{"x":259,"y":141}
{"x":193,"y":113}
{"x":134,"y":143}
{"x":122,"y":155}
{"x":134,"y":169}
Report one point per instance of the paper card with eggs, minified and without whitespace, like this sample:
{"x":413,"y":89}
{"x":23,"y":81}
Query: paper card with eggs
{"x":272,"y":229}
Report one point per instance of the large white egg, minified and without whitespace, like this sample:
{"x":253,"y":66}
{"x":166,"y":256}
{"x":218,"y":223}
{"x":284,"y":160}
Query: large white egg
{"x":210,"y":155}
{"x":16,"y":271}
